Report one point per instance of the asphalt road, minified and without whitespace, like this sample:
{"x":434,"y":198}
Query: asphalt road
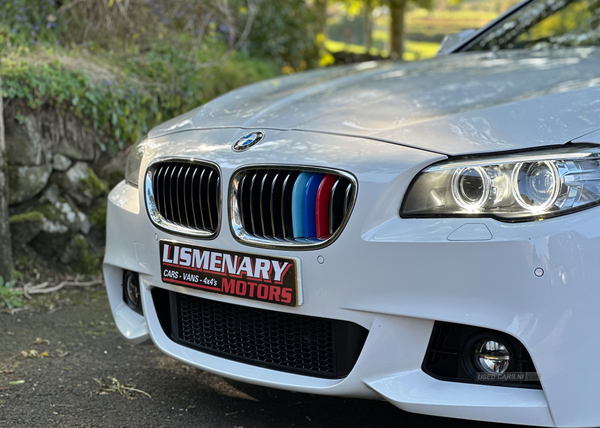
{"x":51,"y":354}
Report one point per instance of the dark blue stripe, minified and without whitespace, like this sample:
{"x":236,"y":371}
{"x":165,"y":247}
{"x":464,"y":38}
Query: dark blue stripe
{"x":310,"y":220}
{"x":298,"y":203}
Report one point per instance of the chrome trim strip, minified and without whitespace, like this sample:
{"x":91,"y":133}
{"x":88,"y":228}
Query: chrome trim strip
{"x":178,"y":199}
{"x":273,"y":229}
{"x":333,"y":189}
{"x":200,"y":198}
{"x":262,"y":203}
{"x":171,"y":196}
{"x":244,"y":237}
{"x":218,"y":188}
{"x":242,"y":199}
{"x":185,"y":208}
{"x":208,"y":180}
{"x":157,"y":183}
{"x":164,"y":186}
{"x":152,"y":208}
{"x":347,"y":199}
{"x":193,"y":200}
{"x":252,"y":203}
{"x":283,"y":193}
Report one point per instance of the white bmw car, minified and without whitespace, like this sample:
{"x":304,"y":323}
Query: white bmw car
{"x":423,"y":233}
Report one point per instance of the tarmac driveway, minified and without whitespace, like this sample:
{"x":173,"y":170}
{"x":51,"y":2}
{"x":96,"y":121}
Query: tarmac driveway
{"x":51,"y":353}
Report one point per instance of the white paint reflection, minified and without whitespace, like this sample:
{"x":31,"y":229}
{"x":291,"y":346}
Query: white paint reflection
{"x":451,"y":104}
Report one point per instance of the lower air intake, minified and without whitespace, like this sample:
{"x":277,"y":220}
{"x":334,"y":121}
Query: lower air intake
{"x":317,"y":347}
{"x":287,"y":206}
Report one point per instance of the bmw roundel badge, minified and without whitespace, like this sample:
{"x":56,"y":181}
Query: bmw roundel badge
{"x":247,"y":141}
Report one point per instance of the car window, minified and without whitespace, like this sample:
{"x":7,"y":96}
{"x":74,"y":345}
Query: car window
{"x":545,"y":24}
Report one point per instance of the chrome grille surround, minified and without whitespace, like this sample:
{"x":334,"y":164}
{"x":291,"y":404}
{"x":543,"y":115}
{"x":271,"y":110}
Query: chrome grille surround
{"x":200,"y":221}
{"x":246,"y":237}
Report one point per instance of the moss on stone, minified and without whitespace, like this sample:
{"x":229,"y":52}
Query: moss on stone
{"x":98,"y":215}
{"x":33,"y":216}
{"x":93,"y":184}
{"x":49,"y":211}
{"x":24,"y":182}
{"x":88,"y":263}
{"x":25,"y":227}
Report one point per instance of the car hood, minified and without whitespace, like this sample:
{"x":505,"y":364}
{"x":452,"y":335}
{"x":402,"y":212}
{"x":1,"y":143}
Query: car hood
{"x":457,"y":104}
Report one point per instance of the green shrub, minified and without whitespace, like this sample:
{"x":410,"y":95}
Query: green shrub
{"x":27,"y":22}
{"x":10,"y":297}
{"x":147,"y":88}
{"x":285,"y":31}
{"x":131,"y":72}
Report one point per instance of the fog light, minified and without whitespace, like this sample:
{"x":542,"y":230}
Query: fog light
{"x":131,"y":291}
{"x":492,"y":356}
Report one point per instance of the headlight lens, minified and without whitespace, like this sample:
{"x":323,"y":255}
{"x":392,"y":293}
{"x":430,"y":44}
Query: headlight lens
{"x":470,"y":187}
{"x":134,"y":162}
{"x":517,"y":187}
{"x":537,"y":185}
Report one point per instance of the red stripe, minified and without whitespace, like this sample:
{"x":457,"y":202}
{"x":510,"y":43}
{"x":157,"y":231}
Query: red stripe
{"x":322,"y":205}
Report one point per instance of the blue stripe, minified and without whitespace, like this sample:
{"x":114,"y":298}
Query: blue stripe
{"x":310,"y":218}
{"x":298,"y":201}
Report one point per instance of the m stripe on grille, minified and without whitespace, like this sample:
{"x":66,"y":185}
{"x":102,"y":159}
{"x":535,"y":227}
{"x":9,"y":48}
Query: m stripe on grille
{"x":286,"y":205}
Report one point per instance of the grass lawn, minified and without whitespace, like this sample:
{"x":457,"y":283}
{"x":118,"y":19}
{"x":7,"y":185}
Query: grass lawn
{"x":414,"y":50}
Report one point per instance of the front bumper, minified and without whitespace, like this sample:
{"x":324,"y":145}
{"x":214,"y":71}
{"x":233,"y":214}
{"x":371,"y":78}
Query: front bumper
{"x":395,"y":277}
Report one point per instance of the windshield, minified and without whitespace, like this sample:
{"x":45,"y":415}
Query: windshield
{"x":545,"y":24}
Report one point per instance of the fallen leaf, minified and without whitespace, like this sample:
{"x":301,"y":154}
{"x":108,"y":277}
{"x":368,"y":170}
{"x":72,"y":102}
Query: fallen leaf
{"x":34,"y":354}
{"x":30,"y":354}
{"x":16,"y":382}
{"x":39,"y":341}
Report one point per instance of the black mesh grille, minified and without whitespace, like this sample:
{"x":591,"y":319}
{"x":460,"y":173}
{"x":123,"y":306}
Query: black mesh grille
{"x":265,"y":203}
{"x":293,"y":343}
{"x":187,"y":194}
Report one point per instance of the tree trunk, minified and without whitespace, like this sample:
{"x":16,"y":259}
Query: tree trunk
{"x":368,"y":24}
{"x":6,"y":261}
{"x":397,"y":8}
{"x":321,"y":15}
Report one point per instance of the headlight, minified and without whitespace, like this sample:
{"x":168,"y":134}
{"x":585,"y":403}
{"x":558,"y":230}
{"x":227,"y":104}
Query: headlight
{"x":134,"y":161}
{"x":516,"y":187}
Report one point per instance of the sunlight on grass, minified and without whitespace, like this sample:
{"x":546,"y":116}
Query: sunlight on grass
{"x":414,"y":50}
{"x":334,"y":46}
{"x":420,"y":50}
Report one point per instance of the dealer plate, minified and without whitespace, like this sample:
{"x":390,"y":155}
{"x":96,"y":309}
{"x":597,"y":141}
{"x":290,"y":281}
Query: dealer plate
{"x":249,"y":276}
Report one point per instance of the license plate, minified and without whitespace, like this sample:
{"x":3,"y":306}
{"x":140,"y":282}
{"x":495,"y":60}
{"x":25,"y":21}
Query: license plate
{"x":249,"y":276}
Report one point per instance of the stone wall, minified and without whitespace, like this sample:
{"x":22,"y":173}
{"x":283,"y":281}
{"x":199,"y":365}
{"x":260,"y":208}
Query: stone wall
{"x":58,"y":183}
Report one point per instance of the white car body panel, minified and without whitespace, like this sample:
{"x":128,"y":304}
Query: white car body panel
{"x":384,"y":123}
{"x":456,"y":104}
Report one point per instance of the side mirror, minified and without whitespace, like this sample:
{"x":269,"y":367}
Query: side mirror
{"x":451,"y":41}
